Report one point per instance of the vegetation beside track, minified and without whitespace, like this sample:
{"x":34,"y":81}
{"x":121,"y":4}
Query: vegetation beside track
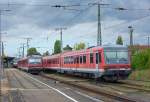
{"x":140,"y":75}
{"x":140,"y":64}
{"x":141,"y":59}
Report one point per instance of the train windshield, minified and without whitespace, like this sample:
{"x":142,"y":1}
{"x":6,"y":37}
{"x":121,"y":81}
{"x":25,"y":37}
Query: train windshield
{"x":116,"y":57}
{"x":35,"y":61}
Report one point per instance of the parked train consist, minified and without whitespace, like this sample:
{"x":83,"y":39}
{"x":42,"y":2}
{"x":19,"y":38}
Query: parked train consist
{"x":107,"y":62}
{"x":32,"y":64}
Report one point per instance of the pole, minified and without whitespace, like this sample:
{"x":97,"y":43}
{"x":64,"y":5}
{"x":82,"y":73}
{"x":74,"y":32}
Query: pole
{"x":99,"y":39}
{"x":61,"y":36}
{"x":131,"y":35}
{"x":28,"y":39}
{"x":61,"y":40}
{"x":1,"y":47}
{"x":19,"y":52}
{"x":148,"y":41}
{"x":0,"y":40}
{"x":23,"y":50}
{"x":2,"y":56}
{"x":99,"y":27}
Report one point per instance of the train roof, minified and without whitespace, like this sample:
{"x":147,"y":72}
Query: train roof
{"x":51,"y":56}
{"x":93,"y":48}
{"x":32,"y":56}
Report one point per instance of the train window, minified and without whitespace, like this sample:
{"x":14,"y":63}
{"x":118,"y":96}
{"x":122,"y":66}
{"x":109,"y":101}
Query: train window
{"x":98,"y":58}
{"x":84,"y":58}
{"x":67,"y":60}
{"x":72,"y":59}
{"x":64,"y":60}
{"x":91,"y":57}
{"x":81,"y":59}
{"x":77,"y":59}
{"x":49,"y":61}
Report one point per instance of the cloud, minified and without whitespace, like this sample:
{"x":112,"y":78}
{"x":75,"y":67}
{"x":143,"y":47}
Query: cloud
{"x":32,"y":19}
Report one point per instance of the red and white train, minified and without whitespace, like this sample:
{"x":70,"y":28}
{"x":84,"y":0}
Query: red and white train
{"x":108,"y":62}
{"x":32,"y":64}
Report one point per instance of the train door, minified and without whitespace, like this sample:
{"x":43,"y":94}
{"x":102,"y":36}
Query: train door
{"x":77,"y":62}
{"x":97,"y":60}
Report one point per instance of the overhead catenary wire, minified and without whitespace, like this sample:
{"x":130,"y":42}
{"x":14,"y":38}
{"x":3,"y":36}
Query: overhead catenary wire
{"x":128,"y":22}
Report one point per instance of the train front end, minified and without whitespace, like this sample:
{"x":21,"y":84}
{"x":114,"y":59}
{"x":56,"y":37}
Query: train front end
{"x":35,"y":64}
{"x":117,"y":63}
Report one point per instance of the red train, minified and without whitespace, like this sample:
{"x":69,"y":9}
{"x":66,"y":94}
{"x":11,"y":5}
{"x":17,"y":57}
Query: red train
{"x":107,"y":62}
{"x":32,"y":64}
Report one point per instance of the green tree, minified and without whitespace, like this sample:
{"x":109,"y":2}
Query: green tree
{"x":46,"y":53}
{"x":57,"y":47}
{"x":32,"y":51}
{"x":79,"y":46}
{"x":119,"y":41}
{"x":67,"y":48}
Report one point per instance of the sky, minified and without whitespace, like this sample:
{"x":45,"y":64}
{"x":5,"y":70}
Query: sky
{"x":37,"y":19}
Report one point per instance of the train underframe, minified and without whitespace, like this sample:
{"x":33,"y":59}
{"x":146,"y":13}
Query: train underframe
{"x":107,"y":75}
{"x":114,"y":75}
{"x":33,"y":70}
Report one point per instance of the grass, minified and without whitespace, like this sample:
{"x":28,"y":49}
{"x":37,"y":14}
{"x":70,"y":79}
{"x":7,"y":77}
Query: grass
{"x":140,"y":75}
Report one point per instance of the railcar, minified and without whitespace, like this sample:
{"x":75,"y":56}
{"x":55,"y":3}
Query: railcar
{"x":107,"y":62}
{"x":31,"y":64}
{"x":15,"y":64}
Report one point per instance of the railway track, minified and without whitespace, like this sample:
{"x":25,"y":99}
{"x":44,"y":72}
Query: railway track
{"x":91,"y":89}
{"x":15,"y":96}
{"x":140,"y":80}
{"x":119,"y":83}
{"x":35,"y":85}
{"x":140,"y":83}
{"x":117,"y":86}
{"x":135,"y":86}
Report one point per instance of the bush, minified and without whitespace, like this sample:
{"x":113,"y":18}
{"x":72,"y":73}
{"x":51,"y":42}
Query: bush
{"x":141,"y":60}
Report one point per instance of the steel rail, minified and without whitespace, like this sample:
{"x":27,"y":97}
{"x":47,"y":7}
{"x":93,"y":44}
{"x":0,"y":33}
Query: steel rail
{"x":28,"y":80}
{"x":96,"y":91}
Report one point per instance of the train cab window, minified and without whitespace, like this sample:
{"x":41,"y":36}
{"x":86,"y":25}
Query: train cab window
{"x":81,"y":59}
{"x":98,"y":58}
{"x":84,"y":59}
{"x":91,"y":57}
